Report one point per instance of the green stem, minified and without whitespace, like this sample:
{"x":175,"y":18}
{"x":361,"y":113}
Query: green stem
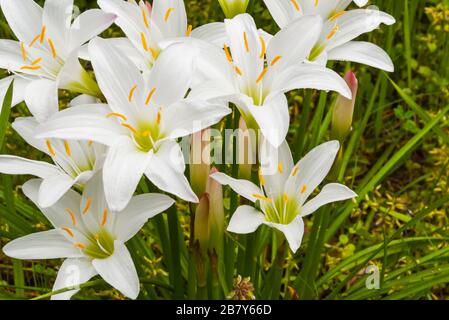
{"x":173,"y":226}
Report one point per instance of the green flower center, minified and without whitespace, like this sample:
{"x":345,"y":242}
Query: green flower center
{"x":101,"y":245}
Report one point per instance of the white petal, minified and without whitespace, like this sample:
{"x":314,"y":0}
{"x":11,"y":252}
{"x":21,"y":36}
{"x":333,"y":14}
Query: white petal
{"x":53,"y":188}
{"x":88,"y":25}
{"x":273,"y":118}
{"x":124,"y":166}
{"x":245,"y":220}
{"x":172,"y":25}
{"x":312,"y":169}
{"x":10,"y":55}
{"x":331,"y":193}
{"x":310,"y":76}
{"x":57,"y":17}
{"x":139,"y":210}
{"x":245,"y":188}
{"x":16,"y":165}
{"x":87,"y":122}
{"x":72,"y":272}
{"x":26,"y":128}
{"x":93,"y":204}
{"x":166,"y":171}
{"x":41,"y":98}
{"x":41,"y":245}
{"x":362,"y":52}
{"x":20,"y":85}
{"x":83,"y":99}
{"x":293,"y":232}
{"x":24,"y":17}
{"x":119,"y":271}
{"x":214,"y":33}
{"x":361,"y":3}
{"x":189,"y":116}
{"x":283,"y":11}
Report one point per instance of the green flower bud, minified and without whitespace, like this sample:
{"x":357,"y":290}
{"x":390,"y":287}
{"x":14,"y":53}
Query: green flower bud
{"x":201,"y":232}
{"x":200,"y":161}
{"x":231,"y":8}
{"x":216,"y":214}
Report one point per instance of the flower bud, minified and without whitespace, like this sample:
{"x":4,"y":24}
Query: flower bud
{"x":200,"y":161}
{"x":344,"y":110}
{"x":201,"y":232}
{"x":245,"y":147}
{"x":216,"y":214}
{"x":231,"y":8}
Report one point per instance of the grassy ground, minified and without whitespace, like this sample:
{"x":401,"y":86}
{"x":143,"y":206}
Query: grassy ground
{"x":397,"y":160}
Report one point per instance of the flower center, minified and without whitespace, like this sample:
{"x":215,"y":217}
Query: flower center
{"x":101,"y":245}
{"x":283,"y":210}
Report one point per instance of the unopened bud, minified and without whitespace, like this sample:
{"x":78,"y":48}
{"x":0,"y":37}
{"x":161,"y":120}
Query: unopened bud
{"x":344,"y":110}
{"x":246,"y":152}
{"x":216,"y":214}
{"x":200,"y":161}
{"x":231,"y":8}
{"x":202,"y":223}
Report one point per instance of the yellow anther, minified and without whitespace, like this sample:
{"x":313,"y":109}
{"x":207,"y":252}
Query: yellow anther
{"x":245,"y":38}
{"x":264,"y":47}
{"x":90,"y":143}
{"x":228,"y":53}
{"x":337,"y":15}
{"x":72,"y":216}
{"x":52,"y":47}
{"x":304,"y":188}
{"x":118,"y":115}
{"x":105,"y":217}
{"x":79,"y":245}
{"x":34,"y":68}
{"x":143,"y":38}
{"x":24,"y":53}
{"x":239,"y":72}
{"x":42,"y":35}
{"x":145,"y":18}
{"x":285,"y":198}
{"x":130,"y":127}
{"x":34,"y":40}
{"x":275,"y":60}
{"x":50,"y":148}
{"x":69,"y":231}
{"x":67,"y":148}
{"x":87,"y":206}
{"x":333,"y":32}
{"x":189,"y":30}
{"x":295,"y":171}
{"x":158,"y":117}
{"x":280,"y":167}
{"x":131,"y":93}
{"x":36,"y":61}
{"x":261,"y":197}
{"x":154,"y":53}
{"x":296,"y":5}
{"x":261,"y":75}
{"x":167,"y":14}
{"x":150,"y":95}
{"x":316,"y":3}
{"x":261,"y":178}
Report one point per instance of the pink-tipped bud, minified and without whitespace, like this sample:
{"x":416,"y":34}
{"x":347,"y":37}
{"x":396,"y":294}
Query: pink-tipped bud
{"x":344,"y":110}
{"x":216,"y":214}
{"x":200,"y":161}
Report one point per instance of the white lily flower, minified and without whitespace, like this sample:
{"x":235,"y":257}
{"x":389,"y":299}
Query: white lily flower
{"x":90,"y":236}
{"x":46,"y":56}
{"x":340,"y":28}
{"x":283,"y":192}
{"x":144,"y":117}
{"x":149,"y":28}
{"x":75,"y":162}
{"x":254,"y":71}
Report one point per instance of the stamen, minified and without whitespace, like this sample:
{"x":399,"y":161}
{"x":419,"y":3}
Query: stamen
{"x":34,"y":40}
{"x":143,"y":38}
{"x":90,"y":143}
{"x":316,"y":3}
{"x":79,"y":245}
{"x":296,"y":5}
{"x":130,"y":127}
{"x":72,"y":216}
{"x":36,"y":61}
{"x":261,"y":197}
{"x":261,"y":178}
{"x":239,"y":72}
{"x":167,"y":14}
{"x":24,"y":54}
{"x":145,"y":18}
{"x":264,"y":47}
{"x":337,"y":15}
{"x":154,"y":53}
{"x":245,"y":38}
{"x":105,"y":217}
{"x":118,"y":115}
{"x":261,"y":75}
{"x":304,"y":188}
{"x":158,"y":118}
{"x":285,"y":198}
{"x":295,"y":171}
{"x":50,"y":148}
{"x":131,"y":93}
{"x":146,"y":134}
{"x":67,"y":148}
{"x":228,"y":54}
{"x":333,"y":32}
{"x":189,"y":30}
{"x":42,"y":35}
{"x":52,"y":47}
{"x":280,"y":167}
{"x":275,"y":60}
{"x":88,"y":203}
{"x":30,"y":68}
{"x":69,"y":231}
{"x":150,"y":95}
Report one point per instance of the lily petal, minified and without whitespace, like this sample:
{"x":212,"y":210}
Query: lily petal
{"x":41,"y":98}
{"x":171,"y":18}
{"x":26,"y":128}
{"x":20,"y":85}
{"x":245,"y":220}
{"x":57,"y":16}
{"x":245,"y":188}
{"x":294,"y":232}
{"x":16,"y":165}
